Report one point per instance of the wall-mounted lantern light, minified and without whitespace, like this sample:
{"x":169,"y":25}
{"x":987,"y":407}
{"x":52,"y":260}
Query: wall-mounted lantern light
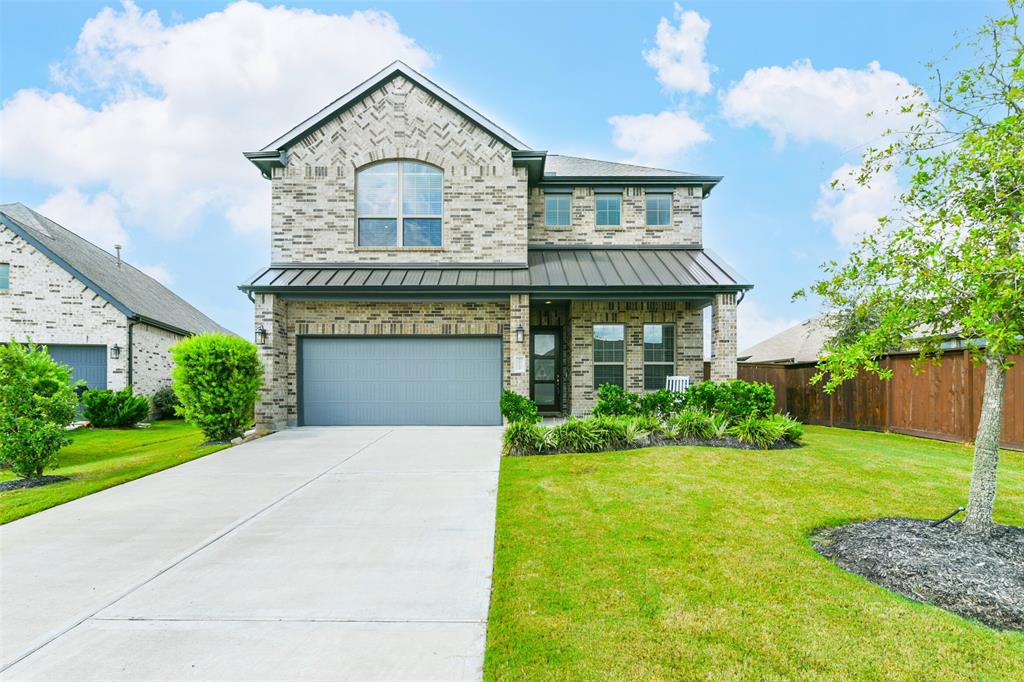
{"x":520,"y":334}
{"x":115,"y":352}
{"x":261,"y":335}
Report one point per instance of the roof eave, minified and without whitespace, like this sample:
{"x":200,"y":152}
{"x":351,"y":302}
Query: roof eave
{"x":268,"y":161}
{"x":705,"y":182}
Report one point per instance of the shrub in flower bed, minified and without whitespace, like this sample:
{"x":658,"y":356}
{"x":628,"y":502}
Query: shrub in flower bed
{"x":688,"y":427}
{"x":736,"y":399}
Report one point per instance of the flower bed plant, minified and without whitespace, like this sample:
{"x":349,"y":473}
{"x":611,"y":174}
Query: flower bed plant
{"x":689,"y":427}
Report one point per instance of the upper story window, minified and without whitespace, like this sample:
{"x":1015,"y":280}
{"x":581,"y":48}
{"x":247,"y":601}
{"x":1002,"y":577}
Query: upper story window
{"x":659,"y":209}
{"x":5,"y":276}
{"x":609,"y":209}
{"x":398,"y":203}
{"x":557,"y":210}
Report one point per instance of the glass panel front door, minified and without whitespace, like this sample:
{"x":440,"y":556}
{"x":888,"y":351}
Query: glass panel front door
{"x":544,"y":369}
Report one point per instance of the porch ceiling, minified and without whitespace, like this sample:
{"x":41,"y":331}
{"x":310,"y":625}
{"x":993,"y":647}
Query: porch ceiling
{"x":550,"y":271}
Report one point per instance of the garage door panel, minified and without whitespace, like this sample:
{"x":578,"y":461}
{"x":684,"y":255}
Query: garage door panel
{"x":382,"y":381}
{"x":88,"y":363}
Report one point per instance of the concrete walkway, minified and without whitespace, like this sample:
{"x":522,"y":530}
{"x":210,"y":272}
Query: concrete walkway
{"x":312,"y":554}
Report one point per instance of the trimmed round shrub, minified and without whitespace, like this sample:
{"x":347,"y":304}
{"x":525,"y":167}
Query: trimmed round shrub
{"x":217,"y":378}
{"x":518,"y":408}
{"x":736,"y":399}
{"x":105,"y":408}
{"x":37,"y":403}
{"x":165,"y":403}
{"x":615,"y":401}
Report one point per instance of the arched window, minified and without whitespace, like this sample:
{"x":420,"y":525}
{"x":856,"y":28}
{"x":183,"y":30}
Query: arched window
{"x":398,"y":203}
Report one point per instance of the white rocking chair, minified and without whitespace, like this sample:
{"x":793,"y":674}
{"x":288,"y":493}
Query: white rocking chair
{"x":677,"y":383}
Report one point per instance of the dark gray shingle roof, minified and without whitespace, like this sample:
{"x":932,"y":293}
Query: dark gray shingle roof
{"x":550,"y":270}
{"x":800,"y":343}
{"x":129,"y":289}
{"x":557,"y":165}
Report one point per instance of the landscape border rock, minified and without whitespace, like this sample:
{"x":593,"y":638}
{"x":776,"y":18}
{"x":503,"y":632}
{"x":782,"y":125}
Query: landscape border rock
{"x":940,"y":565}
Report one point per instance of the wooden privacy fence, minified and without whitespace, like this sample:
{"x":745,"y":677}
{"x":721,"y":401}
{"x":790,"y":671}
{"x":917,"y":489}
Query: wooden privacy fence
{"x":942,"y":402}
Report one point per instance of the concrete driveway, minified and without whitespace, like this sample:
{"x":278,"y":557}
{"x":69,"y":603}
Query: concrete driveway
{"x":315,"y":553}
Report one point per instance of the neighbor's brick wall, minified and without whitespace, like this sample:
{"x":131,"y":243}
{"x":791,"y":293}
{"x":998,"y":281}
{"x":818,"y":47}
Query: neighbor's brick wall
{"x":47,"y":305}
{"x":687,"y":318}
{"x":313,"y":198}
{"x":685,"y":229}
{"x":291,"y":319}
{"x":723,"y":337}
{"x":151,"y":358}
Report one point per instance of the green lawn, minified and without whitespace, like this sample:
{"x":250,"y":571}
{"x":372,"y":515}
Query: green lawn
{"x":101,"y":458}
{"x":694,"y":563}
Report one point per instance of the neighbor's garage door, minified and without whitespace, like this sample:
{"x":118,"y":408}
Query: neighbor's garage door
{"x":88,"y":362}
{"x":394,"y":381}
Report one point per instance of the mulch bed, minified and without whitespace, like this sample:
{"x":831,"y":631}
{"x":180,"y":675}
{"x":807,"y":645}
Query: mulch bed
{"x":975,"y":578}
{"x":660,"y":441}
{"x":20,"y":483}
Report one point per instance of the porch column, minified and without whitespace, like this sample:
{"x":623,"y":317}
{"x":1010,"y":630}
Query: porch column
{"x":519,"y":351}
{"x":723,"y":337}
{"x":271,"y":404}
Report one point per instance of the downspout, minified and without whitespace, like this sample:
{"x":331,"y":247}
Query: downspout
{"x":743,"y":293}
{"x":131,"y":348}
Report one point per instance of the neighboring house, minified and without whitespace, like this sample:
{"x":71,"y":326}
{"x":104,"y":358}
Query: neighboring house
{"x":800,"y":343}
{"x":423,"y":258}
{"x":111,"y":323}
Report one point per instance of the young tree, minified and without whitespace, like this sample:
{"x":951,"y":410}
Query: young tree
{"x":37,"y":402}
{"x":950,"y":258}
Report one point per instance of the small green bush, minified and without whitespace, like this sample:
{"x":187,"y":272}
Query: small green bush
{"x":518,"y":408}
{"x":165,"y":403}
{"x":615,"y":401}
{"x":792,"y":430}
{"x":762,"y":432}
{"x":526,"y":438}
{"x":105,"y":408}
{"x":736,"y":399}
{"x":578,"y":435}
{"x":693,"y":423}
{"x":217,"y":378}
{"x":662,"y":403}
{"x":37,"y":403}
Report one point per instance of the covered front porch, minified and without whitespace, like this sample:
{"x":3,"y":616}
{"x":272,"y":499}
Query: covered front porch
{"x":572,"y":346}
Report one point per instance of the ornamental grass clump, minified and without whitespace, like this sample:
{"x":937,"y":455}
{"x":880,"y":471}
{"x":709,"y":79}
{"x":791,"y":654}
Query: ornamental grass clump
{"x":762,"y":432}
{"x":525,"y":438}
{"x":217,"y":378}
{"x":693,"y":423}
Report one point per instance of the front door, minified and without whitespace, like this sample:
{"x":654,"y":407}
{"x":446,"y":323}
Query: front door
{"x":545,"y":369}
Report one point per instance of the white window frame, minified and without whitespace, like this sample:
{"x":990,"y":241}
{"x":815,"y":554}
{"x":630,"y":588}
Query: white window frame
{"x":650,"y":195}
{"x":400,"y":227}
{"x":597,"y":213}
{"x":593,"y":351}
{"x":547,"y":215}
{"x":661,"y":363}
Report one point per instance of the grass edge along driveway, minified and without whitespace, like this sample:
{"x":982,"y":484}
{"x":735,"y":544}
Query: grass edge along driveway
{"x":686,"y":563}
{"x":98,"y":459}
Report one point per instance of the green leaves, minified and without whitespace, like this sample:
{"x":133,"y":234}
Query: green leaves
{"x":37,"y":402}
{"x":217,"y":379}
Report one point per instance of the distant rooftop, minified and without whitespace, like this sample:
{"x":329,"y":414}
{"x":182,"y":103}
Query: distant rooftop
{"x":134,"y":292}
{"x":800,"y":343}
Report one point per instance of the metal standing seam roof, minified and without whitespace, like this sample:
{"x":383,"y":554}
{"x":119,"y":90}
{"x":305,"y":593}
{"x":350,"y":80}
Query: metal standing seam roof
{"x":128,"y":289}
{"x":635,"y":270}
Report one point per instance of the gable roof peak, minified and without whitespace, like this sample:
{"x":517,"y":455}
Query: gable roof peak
{"x":370,"y":85}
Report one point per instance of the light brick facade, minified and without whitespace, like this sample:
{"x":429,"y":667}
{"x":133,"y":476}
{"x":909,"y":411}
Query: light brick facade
{"x":47,"y":305}
{"x":723,"y":337}
{"x":491,"y":214}
{"x":685,"y":229}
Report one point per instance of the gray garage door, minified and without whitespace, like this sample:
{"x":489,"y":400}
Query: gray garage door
{"x":395,"y":381}
{"x":88,"y":362}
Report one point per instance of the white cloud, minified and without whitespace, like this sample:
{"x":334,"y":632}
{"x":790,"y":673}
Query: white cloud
{"x":680,"y":54}
{"x":657,"y":139}
{"x":94,"y":219}
{"x":852,"y":210}
{"x":158,"y":271}
{"x":802,"y":103}
{"x":754,"y":324}
{"x":157,"y":115}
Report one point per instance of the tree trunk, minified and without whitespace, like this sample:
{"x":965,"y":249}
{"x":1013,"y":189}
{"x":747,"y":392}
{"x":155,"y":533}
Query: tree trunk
{"x":986,"y":450}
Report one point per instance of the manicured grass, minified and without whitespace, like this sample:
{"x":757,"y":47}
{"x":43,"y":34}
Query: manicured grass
{"x":101,"y":458}
{"x":694,"y":563}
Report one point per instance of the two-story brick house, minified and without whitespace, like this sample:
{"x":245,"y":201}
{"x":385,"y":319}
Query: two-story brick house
{"x":423,"y":258}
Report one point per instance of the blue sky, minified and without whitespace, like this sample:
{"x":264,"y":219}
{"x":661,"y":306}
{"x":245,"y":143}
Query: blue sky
{"x":128,"y":121}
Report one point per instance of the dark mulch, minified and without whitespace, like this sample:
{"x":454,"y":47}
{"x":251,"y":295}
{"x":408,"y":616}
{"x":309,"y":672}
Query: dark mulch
{"x":20,"y":483}
{"x":974,"y":578}
{"x":659,"y":441}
